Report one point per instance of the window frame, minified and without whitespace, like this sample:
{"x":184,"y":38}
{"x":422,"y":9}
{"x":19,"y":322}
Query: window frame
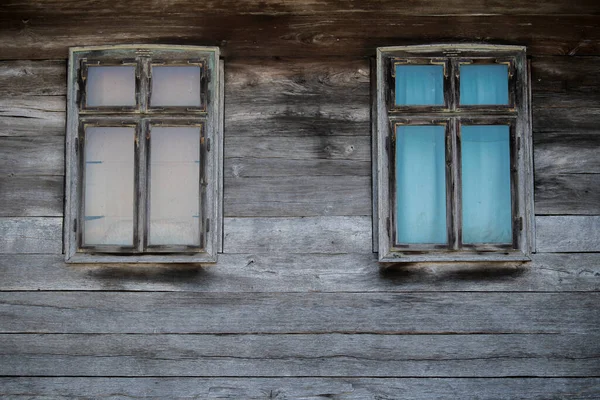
{"x":388,"y":116}
{"x":208,"y":117}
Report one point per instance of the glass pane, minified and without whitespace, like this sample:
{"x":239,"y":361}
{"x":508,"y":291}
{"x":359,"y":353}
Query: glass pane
{"x":421,"y":184}
{"x":110,"y":86}
{"x":109,"y":186}
{"x":176,"y":86}
{"x":418,"y":85}
{"x":486,"y":203}
{"x":484,"y":84}
{"x":175,"y":186}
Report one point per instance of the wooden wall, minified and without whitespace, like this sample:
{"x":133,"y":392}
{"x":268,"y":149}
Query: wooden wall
{"x":298,"y":306}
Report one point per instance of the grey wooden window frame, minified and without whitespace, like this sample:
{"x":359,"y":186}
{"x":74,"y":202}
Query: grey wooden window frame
{"x":208,"y":117}
{"x":517,"y":115}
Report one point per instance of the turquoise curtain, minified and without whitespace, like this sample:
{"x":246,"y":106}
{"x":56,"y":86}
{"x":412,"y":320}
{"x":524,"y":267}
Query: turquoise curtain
{"x":484,"y":84}
{"x":420,"y":184}
{"x":419,"y":85}
{"x":486,"y":202}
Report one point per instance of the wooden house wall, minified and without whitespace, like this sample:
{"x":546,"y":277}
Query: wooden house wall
{"x":297,"y":306}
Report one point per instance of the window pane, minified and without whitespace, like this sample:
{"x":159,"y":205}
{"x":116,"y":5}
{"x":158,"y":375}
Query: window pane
{"x":110,"y":86}
{"x":176,"y":86}
{"x":484,"y":84}
{"x":486,"y":202}
{"x":109,"y":186}
{"x":421,"y":184}
{"x":175,"y":186}
{"x":419,"y":85}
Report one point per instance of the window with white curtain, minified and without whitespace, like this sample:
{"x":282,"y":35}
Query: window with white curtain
{"x":453,"y":161}
{"x":144,"y":160}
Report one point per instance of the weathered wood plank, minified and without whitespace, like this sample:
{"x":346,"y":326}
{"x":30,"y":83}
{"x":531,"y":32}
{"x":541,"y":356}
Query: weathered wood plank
{"x":300,"y":355}
{"x":36,"y":155}
{"x":564,"y":117}
{"x":299,"y":148}
{"x":32,"y":115}
{"x":31,"y":196}
{"x":31,"y":235}
{"x":307,"y":273}
{"x":305,"y":388}
{"x":33,"y":78}
{"x":567,"y":194}
{"x":312,"y":313}
{"x":574,"y":75}
{"x":336,"y":234}
{"x":270,"y":167}
{"x":297,"y":196}
{"x":568,"y":233}
{"x":575,"y":153}
{"x":304,"y":7}
{"x":48,"y":34}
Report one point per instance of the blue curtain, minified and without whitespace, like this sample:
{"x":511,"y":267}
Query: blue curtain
{"x":486,"y":202}
{"x":420,"y":184}
{"x":484,"y":84}
{"x":419,"y":85}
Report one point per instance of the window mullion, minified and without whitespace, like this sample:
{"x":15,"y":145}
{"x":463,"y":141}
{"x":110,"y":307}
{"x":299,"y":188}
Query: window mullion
{"x":456,"y":200}
{"x":141,"y":184}
{"x":142,"y":157}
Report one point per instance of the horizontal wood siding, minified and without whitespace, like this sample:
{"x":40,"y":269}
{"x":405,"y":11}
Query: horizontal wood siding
{"x":300,"y":355}
{"x":277,"y":272}
{"x":307,"y":388}
{"x":422,"y":313}
{"x":297,"y":305}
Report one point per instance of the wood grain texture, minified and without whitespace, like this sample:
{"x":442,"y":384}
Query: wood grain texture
{"x":267,"y":273}
{"x":31,"y":235}
{"x":567,"y":194}
{"x":300,"y":355}
{"x":47,"y":34}
{"x":24,"y":78}
{"x":568,"y":234}
{"x":335,"y":234}
{"x":32,"y":115}
{"x":574,"y":153}
{"x":311,"y":313}
{"x":304,"y":7}
{"x":36,"y":155}
{"x":304,"y":388}
{"x":297,"y":196}
{"x":31,"y":196}
{"x":300,"y":148}
{"x":278,"y":167}
{"x":573,"y":75}
{"x":301,"y":235}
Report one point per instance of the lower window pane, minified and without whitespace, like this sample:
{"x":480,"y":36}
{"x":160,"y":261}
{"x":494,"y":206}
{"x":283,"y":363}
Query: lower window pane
{"x":109,"y":187}
{"x":174,"y":186}
{"x":420,"y":184}
{"x":486,"y":202}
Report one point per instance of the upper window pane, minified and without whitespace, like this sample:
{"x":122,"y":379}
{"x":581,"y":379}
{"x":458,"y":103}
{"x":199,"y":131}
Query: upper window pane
{"x":486,"y":202}
{"x":109,"y":188}
{"x":421,"y":184}
{"x":419,"y":85}
{"x":176,"y":86}
{"x":484,"y":84}
{"x":175,"y":186}
{"x":110,"y":86}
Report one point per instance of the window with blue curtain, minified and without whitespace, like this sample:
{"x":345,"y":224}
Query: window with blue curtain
{"x":458,"y":126}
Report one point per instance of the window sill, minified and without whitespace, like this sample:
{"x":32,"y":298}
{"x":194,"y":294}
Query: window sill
{"x":98,"y":258}
{"x":455,"y":256}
